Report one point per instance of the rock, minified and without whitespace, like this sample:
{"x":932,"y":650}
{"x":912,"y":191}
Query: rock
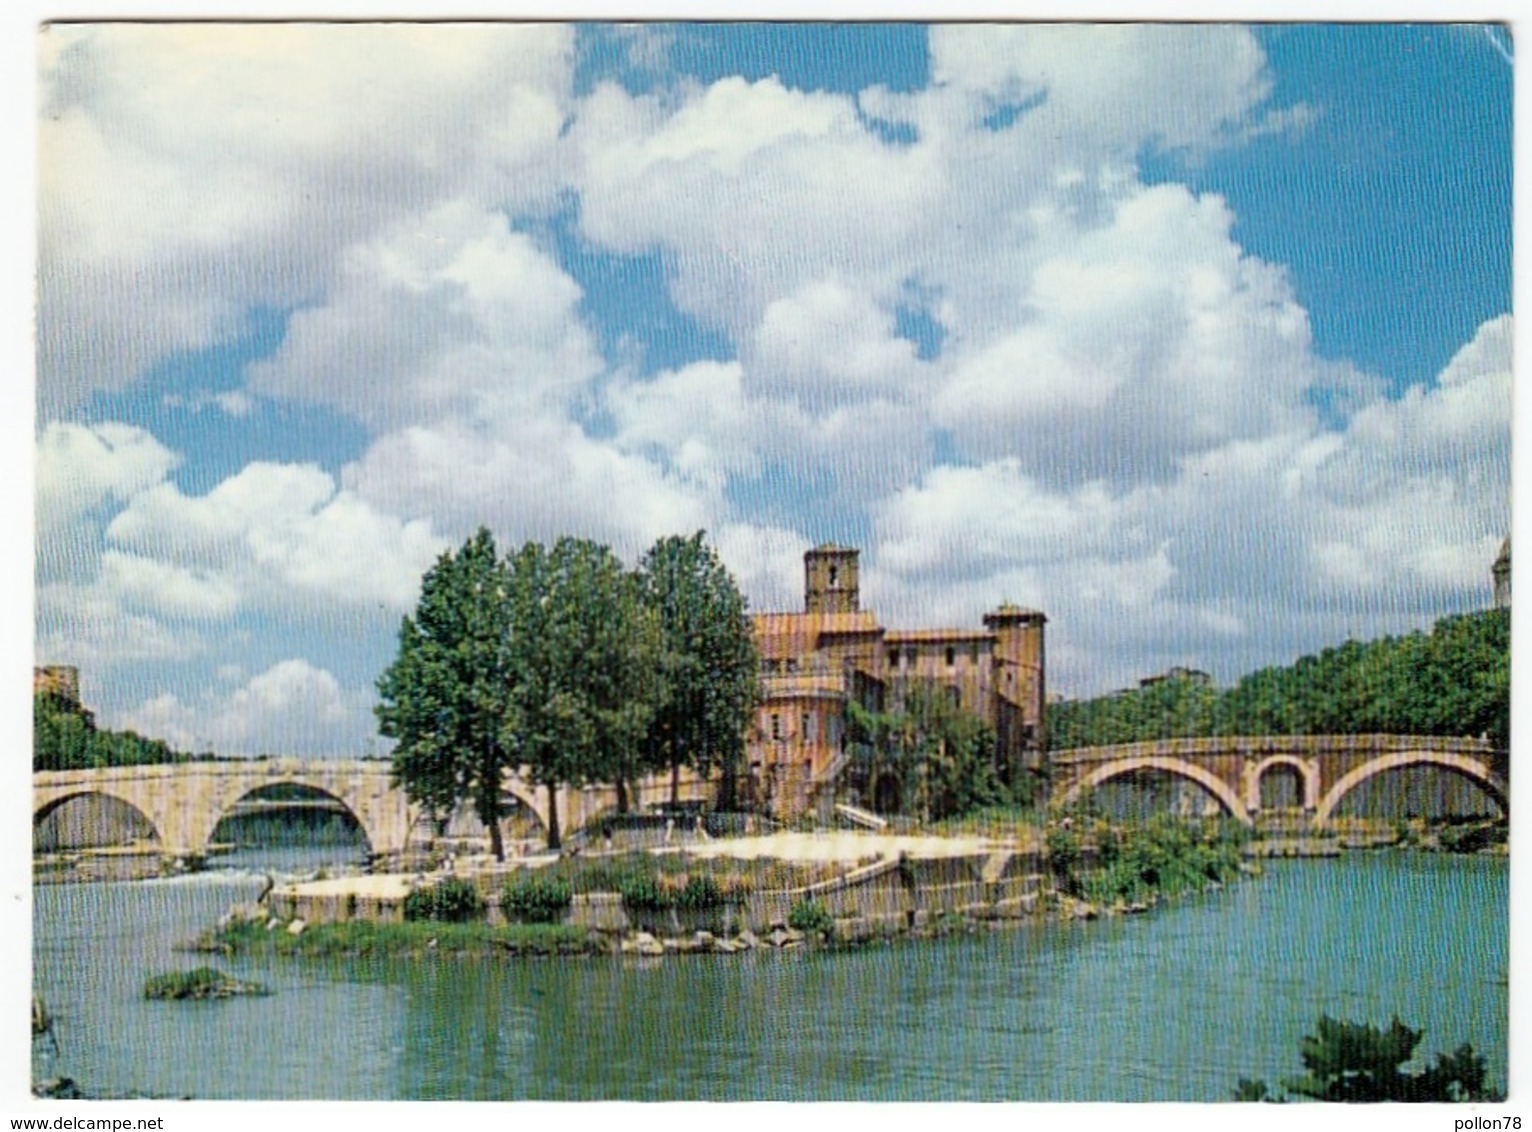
{"x":748,"y":938}
{"x":778,"y":937}
{"x":794,"y":935}
{"x":296,"y":927}
{"x":273,"y":923}
{"x":652,"y":947}
{"x":670,"y":944}
{"x":727,"y":946}
{"x":1137,"y":908}
{"x":704,"y":939}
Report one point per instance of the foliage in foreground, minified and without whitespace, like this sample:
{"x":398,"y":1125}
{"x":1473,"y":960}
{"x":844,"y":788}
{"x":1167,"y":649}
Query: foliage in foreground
{"x":1355,"y":1062}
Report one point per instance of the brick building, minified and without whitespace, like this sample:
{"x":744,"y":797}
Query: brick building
{"x":832,"y":653}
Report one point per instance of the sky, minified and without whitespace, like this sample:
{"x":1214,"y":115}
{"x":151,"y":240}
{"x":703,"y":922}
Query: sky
{"x":1195,"y":337}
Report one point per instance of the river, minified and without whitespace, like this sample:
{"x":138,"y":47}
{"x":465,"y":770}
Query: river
{"x":1173,"y":1006}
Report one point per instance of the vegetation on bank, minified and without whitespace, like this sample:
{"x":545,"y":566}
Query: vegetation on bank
{"x":1106,"y":864}
{"x":65,"y":737}
{"x":1454,"y":681}
{"x":1355,"y":1062}
{"x":202,"y":983}
{"x":560,"y":664}
{"x":365,"y":938}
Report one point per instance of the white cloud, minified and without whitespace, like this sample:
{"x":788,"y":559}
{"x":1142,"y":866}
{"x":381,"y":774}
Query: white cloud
{"x":189,"y":171}
{"x":291,"y":709}
{"x":450,"y":314}
{"x":266,"y":537}
{"x":81,"y":466}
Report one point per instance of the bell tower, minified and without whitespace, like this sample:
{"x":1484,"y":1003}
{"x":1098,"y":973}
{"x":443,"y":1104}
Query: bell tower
{"x":830,"y":579}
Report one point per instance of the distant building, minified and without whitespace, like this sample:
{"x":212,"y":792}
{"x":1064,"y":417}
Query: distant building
{"x":61,"y":680}
{"x":1501,"y":573}
{"x":1187,"y":675}
{"x":816,"y":662}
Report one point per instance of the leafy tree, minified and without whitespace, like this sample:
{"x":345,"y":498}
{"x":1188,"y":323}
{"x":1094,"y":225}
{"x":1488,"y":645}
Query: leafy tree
{"x":708,"y":663}
{"x":1453,"y":681}
{"x":65,"y":737}
{"x":942,"y":754}
{"x":1356,"y":1062}
{"x":581,"y":656}
{"x":446,"y":695}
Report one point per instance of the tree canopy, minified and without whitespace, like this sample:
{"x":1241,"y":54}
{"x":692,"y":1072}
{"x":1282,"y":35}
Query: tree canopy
{"x":446,"y":696}
{"x":1455,"y":681}
{"x":65,"y":737}
{"x":710,"y":671}
{"x":941,"y":755}
{"x":560,"y":665}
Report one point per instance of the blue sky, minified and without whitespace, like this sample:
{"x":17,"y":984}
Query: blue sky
{"x":1195,"y":337}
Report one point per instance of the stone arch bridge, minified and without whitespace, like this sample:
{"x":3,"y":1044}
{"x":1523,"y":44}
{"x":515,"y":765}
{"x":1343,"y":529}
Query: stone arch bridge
{"x":184,"y":802}
{"x":1327,"y":767}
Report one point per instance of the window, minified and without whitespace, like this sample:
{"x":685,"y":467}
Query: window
{"x":953,"y":696}
{"x":893,"y":658}
{"x":808,"y":727}
{"x":834,"y":574}
{"x":776,"y":726}
{"x":951,"y":656}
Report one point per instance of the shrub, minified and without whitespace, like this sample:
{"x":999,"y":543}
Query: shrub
{"x":810,"y":917}
{"x":452,"y":901}
{"x":535,"y":899}
{"x":204,"y":982}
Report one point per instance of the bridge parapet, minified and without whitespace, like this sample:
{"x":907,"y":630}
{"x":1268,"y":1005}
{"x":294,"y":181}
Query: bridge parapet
{"x":1261,"y":746}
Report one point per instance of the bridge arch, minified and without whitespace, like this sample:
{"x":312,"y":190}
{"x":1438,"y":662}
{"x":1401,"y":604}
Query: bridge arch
{"x":1472,"y":768}
{"x":225,"y":805}
{"x":1207,"y":780}
{"x":1308,"y":780}
{"x":44,"y":808}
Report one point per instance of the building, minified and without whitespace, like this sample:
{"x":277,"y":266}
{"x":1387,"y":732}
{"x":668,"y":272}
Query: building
{"x":61,"y":680}
{"x":833,"y":653}
{"x":1501,"y":573}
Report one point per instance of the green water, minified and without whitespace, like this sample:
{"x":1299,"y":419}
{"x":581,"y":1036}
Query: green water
{"x":1172,"y":1006}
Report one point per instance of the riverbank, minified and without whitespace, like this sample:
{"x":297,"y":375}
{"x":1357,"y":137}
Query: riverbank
{"x":839,"y":890}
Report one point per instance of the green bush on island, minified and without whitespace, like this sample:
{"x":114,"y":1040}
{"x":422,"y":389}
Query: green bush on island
{"x":810,"y":917}
{"x":534,"y":899}
{"x":1354,"y":1062}
{"x":204,"y":982}
{"x":451,"y":901}
{"x":1133,"y":863}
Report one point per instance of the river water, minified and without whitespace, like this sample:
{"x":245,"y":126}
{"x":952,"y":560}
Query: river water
{"x":1173,"y":1006}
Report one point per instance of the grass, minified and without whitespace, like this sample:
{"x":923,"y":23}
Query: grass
{"x":363,"y":938}
{"x":204,"y":982}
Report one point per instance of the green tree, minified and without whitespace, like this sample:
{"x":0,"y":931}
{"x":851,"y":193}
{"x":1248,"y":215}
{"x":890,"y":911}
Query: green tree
{"x":944,"y":756}
{"x":583,"y":657}
{"x":708,"y":662}
{"x":446,"y":695}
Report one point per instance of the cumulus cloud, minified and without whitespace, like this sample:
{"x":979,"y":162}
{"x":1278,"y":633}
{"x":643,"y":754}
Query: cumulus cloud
{"x":291,"y":709}
{"x":189,"y":171}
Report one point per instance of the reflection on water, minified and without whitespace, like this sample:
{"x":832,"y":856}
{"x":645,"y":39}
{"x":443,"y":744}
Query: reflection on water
{"x":1173,"y":1006}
